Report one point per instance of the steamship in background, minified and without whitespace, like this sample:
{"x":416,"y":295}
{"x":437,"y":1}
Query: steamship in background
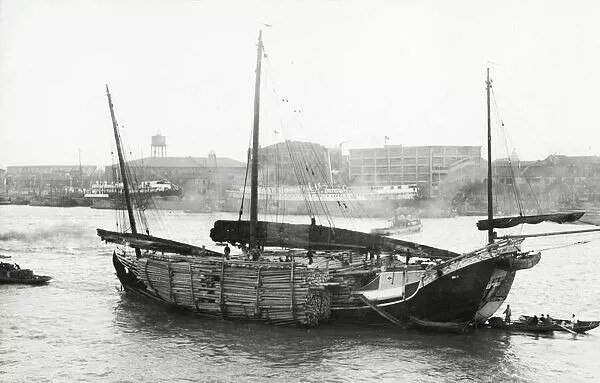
{"x":110,"y":195}
{"x":354,"y":201}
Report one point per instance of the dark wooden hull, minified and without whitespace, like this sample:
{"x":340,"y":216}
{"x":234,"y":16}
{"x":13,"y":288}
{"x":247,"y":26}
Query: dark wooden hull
{"x":454,"y":297}
{"x":36,"y":280}
{"x":453,"y":327}
{"x":455,"y":291}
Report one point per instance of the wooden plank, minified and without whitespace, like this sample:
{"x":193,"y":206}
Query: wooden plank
{"x":222,"y":285}
{"x":192,"y":286}
{"x":381,"y":312}
{"x":257,"y":307}
{"x":292,"y":291}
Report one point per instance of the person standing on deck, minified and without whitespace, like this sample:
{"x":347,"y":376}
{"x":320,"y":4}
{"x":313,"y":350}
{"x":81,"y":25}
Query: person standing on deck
{"x":507,"y":313}
{"x":255,"y":253}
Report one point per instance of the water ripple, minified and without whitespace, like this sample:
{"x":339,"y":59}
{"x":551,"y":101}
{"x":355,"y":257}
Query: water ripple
{"x":80,"y":328}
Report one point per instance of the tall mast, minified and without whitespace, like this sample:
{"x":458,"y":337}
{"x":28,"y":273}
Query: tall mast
{"x":254,"y":171}
{"x":122,"y":165}
{"x":489,"y":175}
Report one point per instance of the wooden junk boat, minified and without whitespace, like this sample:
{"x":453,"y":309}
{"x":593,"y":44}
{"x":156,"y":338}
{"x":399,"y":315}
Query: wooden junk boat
{"x":13,"y":274}
{"x":347,"y":286}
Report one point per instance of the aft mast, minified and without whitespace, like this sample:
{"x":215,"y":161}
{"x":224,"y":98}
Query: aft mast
{"x":122,"y":167}
{"x":254,"y":170}
{"x":502,"y":223}
{"x":491,"y":234}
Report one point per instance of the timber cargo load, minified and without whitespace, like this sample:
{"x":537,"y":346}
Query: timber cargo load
{"x":282,"y":293}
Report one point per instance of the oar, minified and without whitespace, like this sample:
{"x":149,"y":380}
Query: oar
{"x":567,"y":329}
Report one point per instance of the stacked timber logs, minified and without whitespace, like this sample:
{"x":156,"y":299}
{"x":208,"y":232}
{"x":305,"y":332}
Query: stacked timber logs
{"x":282,"y":293}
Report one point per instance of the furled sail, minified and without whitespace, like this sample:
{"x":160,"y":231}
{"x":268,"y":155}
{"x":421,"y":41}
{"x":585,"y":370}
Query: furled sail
{"x":317,"y":237}
{"x":149,"y":242}
{"x":506,"y":222}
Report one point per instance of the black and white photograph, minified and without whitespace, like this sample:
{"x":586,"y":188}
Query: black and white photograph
{"x":299,"y":191}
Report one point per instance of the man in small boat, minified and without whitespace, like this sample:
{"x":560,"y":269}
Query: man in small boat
{"x":507,"y":313}
{"x":573,"y":321}
{"x":535,"y":320}
{"x":548,"y":320}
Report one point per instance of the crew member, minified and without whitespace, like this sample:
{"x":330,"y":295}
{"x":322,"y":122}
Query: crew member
{"x":309,"y":255}
{"x":255,"y":254}
{"x":573,"y":321}
{"x":507,"y":313}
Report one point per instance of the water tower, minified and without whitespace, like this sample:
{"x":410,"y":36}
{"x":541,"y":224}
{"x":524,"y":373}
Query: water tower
{"x":159,"y":146}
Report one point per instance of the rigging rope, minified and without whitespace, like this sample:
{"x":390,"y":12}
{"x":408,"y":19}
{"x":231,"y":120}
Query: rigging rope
{"x":511,"y":169}
{"x":245,"y":180}
{"x":307,"y":166}
{"x":567,"y":245}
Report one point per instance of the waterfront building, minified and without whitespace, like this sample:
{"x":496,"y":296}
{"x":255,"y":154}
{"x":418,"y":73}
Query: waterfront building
{"x":402,"y":165}
{"x":194,"y":174}
{"x":280,"y":163}
{"x":47,"y":179}
{"x":568,"y":181}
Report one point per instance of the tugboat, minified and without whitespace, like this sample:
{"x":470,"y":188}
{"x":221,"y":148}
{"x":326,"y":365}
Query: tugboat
{"x":13,"y":273}
{"x":401,"y":224}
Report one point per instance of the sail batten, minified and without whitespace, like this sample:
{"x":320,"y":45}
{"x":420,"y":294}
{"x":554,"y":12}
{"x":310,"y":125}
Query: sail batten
{"x":508,"y":222}
{"x":152,"y":243}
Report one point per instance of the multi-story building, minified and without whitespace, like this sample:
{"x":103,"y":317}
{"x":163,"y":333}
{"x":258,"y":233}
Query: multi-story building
{"x":401,"y":165}
{"x":566,"y":180}
{"x":285,"y":162}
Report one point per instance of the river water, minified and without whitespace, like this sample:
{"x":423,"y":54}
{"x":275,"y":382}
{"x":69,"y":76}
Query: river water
{"x":82,"y":328}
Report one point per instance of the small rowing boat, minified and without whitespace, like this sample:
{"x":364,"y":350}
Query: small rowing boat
{"x":525,"y":324}
{"x":12,"y":273}
{"x":520,"y":325}
{"x":566,"y":325}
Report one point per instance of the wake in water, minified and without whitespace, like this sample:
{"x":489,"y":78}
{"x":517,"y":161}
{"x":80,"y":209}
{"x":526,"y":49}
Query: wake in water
{"x":53,"y":233}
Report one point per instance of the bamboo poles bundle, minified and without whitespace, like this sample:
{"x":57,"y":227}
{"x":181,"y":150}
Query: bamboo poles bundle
{"x":282,"y":293}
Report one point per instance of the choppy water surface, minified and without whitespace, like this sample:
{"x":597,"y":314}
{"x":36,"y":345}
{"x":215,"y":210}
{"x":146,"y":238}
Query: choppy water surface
{"x":80,"y":327}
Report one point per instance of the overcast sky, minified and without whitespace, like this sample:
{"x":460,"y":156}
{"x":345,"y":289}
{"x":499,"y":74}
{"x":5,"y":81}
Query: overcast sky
{"x":353,"y":71}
